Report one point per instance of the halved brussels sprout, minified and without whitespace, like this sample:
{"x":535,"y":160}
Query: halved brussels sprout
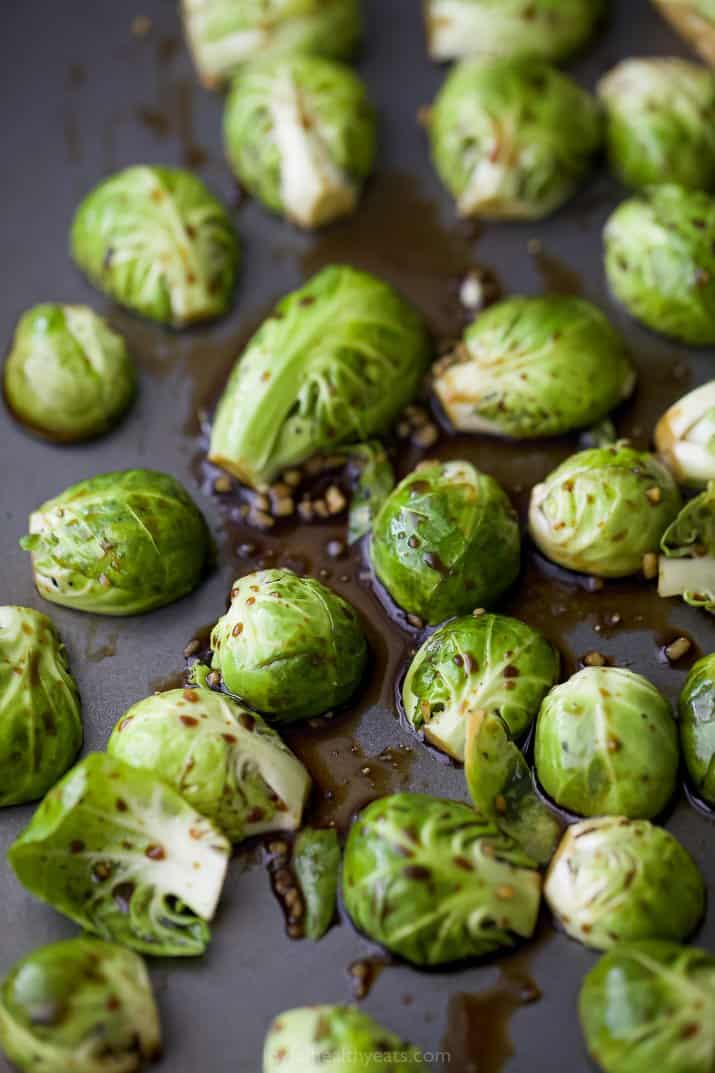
{"x":79,"y":1006}
{"x":223,"y":760}
{"x":685,"y":436}
{"x":118,"y":544}
{"x":158,"y":242}
{"x":651,"y":1006}
{"x":695,"y":21}
{"x":300,"y":134}
{"x":224,"y":34}
{"x":549,"y":28}
{"x":607,"y":744}
{"x":616,"y":880}
{"x":512,"y":138}
{"x":660,"y":122}
{"x":687,"y":565}
{"x":341,"y":1039}
{"x":603,"y":509}
{"x":40,"y":721}
{"x":120,"y":853}
{"x":490,"y":663}
{"x":533,"y":367}
{"x":289,"y":646}
{"x":316,"y":866}
{"x":697,"y":727}
{"x":660,"y":261}
{"x":435,"y":882}
{"x":335,"y":364}
{"x":446,"y":541}
{"x":68,"y":376}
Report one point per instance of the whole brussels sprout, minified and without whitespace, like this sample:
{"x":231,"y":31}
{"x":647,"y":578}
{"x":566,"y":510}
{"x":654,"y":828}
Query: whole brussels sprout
{"x":300,"y":135}
{"x":533,"y":367}
{"x":648,"y":1006}
{"x":80,"y":1006}
{"x":40,"y":722}
{"x":697,"y":727}
{"x":223,"y":760}
{"x":124,"y":856}
{"x":434,"y":882}
{"x":660,"y":122}
{"x":335,"y":364}
{"x":549,"y":28}
{"x":340,"y":1039}
{"x":158,"y":242}
{"x":118,"y":544}
{"x":687,"y":565}
{"x":695,"y":21}
{"x":490,"y":663}
{"x":68,"y":376}
{"x":223,"y":34}
{"x":603,"y":509}
{"x":512,"y":138}
{"x":446,"y":541}
{"x":616,"y":880}
{"x":685,"y":436}
{"x":289,"y":646}
{"x":607,"y":744}
{"x":660,"y":261}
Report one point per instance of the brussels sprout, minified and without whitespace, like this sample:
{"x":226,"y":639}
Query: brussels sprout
{"x":156,"y":241}
{"x":549,"y":28}
{"x":335,"y":364}
{"x":490,"y":663}
{"x":660,"y":261}
{"x":616,"y":880}
{"x":80,"y":1006}
{"x":337,"y":1039}
{"x":695,"y":21}
{"x":300,"y":135}
{"x":68,"y":376}
{"x":446,"y":541}
{"x":373,"y":484}
{"x":649,"y":1006}
{"x":607,"y":744}
{"x":687,"y":565}
{"x":534,"y":367}
{"x":40,"y":722}
{"x":512,"y":138}
{"x":120,"y":853}
{"x":697,"y":727}
{"x":224,"y":34}
{"x":316,"y":864}
{"x":603,"y":509}
{"x":223,"y":760}
{"x":433,"y":881}
{"x":660,"y":122}
{"x":118,"y":544}
{"x":685,"y":436}
{"x":289,"y":646}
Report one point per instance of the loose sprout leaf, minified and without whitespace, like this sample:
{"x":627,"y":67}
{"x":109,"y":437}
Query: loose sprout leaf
{"x":697,"y":727}
{"x":687,"y":565}
{"x":316,"y":864}
{"x":375,"y":480}
{"x":685,"y":436}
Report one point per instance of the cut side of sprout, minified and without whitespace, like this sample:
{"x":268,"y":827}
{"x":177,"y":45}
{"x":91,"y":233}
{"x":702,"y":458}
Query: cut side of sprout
{"x":685,"y":436}
{"x":680,"y":576}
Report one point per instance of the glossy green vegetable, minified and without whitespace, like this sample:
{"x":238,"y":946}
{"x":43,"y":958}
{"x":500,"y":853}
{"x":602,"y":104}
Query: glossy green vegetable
{"x":40,"y":722}
{"x":685,"y":436}
{"x":435,"y":882}
{"x":446,"y":541}
{"x":512,"y":138}
{"x":660,"y":261}
{"x":615,"y":880}
{"x":488,"y":663}
{"x":603,"y":509}
{"x":335,"y":364}
{"x":316,"y":864}
{"x":158,"y":242}
{"x":697,"y":727}
{"x":289,"y":646}
{"x":223,"y":760}
{"x":687,"y":565}
{"x":300,"y":134}
{"x":118,"y":544}
{"x":607,"y":744}
{"x":120,"y":853}
{"x":68,"y":376}
{"x":532,"y":367}
{"x":374,"y":480}
{"x":650,"y":1006}
{"x":695,"y":21}
{"x":80,"y":1006}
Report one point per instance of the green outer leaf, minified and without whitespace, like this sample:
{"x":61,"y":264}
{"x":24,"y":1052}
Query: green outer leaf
{"x":316,"y":864}
{"x":375,"y":481}
{"x":687,"y":567}
{"x":697,"y":727}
